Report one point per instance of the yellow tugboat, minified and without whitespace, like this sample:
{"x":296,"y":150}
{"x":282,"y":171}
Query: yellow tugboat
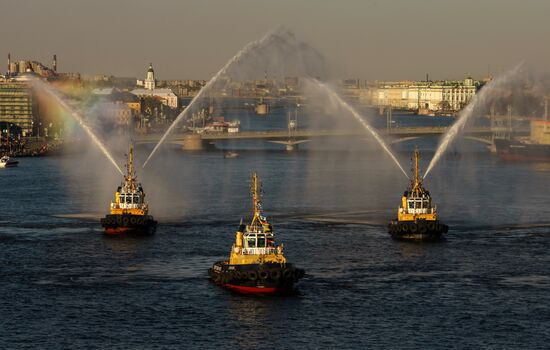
{"x":416,"y":217}
{"x":129,"y":212}
{"x":256,"y":265}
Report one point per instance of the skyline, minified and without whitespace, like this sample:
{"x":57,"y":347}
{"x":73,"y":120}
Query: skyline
{"x":375,"y":40}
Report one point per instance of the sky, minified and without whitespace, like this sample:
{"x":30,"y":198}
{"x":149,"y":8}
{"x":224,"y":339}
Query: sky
{"x":367,"y":39}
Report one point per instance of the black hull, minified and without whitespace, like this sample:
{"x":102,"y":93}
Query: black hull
{"x":115,"y":224}
{"x":420,"y":230}
{"x":521,"y":151}
{"x":269,"y":278}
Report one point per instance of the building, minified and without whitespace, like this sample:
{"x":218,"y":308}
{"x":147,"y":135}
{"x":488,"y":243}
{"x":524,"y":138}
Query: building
{"x":425,"y":96}
{"x":26,"y":66}
{"x":18,"y":106}
{"x":167,"y":96}
{"x":150,"y":82}
{"x":103,"y":92}
{"x":117,"y":112}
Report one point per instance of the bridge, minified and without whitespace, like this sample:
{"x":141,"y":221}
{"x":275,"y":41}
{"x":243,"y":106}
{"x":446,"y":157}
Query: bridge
{"x":292,"y":138}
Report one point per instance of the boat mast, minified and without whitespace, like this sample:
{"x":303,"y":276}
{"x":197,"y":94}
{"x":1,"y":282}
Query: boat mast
{"x":256,"y":198}
{"x":130,"y":166}
{"x":417,"y":181}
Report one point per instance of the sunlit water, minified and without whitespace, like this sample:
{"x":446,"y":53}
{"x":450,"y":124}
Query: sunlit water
{"x":65,"y":285}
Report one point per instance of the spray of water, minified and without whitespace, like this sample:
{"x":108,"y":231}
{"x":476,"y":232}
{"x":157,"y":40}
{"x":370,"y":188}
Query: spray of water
{"x":468,"y":112}
{"x":330,"y":92}
{"x":250,"y":46}
{"x":39,"y":84}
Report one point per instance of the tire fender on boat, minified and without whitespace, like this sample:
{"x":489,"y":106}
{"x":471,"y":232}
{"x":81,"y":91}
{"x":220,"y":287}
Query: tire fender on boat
{"x":275,"y":274}
{"x":263,"y":274}
{"x":422,"y":228}
{"x":252,"y":275}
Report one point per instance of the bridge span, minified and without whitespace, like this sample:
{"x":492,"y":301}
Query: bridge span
{"x":291,"y":138}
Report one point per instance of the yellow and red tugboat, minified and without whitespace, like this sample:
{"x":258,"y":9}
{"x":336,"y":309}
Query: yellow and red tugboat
{"x":416,"y":216}
{"x":129,"y":212}
{"x":256,"y":265}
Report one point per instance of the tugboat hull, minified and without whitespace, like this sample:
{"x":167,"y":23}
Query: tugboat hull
{"x":135,"y":224}
{"x":419,"y":230}
{"x":266,"y":279}
{"x":520,"y":151}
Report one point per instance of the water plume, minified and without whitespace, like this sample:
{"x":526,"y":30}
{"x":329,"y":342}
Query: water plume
{"x":468,"y":112}
{"x":49,"y":90}
{"x":278,"y":52}
{"x":332,"y":94}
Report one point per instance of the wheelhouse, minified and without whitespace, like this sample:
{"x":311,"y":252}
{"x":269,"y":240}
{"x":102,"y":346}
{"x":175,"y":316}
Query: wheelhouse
{"x":129,"y":200}
{"x":258,"y":243}
{"x":418,"y":205}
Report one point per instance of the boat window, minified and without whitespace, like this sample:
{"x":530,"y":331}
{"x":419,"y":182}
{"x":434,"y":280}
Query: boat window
{"x":121,"y":198}
{"x":411,"y":204}
{"x":261,"y":241}
{"x":128,"y":199}
{"x":136,"y":199}
{"x":251,"y":242}
{"x":425,"y":204}
{"x":418,"y":204}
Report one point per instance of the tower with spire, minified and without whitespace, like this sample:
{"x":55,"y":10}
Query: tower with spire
{"x":150,"y":78}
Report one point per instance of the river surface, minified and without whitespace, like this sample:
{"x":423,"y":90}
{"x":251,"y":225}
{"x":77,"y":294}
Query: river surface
{"x":63,"y":285}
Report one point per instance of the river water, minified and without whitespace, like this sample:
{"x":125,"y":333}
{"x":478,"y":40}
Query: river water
{"x":66,"y":286}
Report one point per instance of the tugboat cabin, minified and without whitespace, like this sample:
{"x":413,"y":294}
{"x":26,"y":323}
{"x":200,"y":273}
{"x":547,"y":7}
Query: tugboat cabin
{"x":259,"y":242}
{"x":417,"y":205}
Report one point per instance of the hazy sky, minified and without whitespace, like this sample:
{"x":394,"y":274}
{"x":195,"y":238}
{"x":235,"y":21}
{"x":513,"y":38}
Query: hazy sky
{"x":373,"y":39}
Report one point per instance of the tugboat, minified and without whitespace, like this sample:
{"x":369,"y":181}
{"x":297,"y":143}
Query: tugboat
{"x":534,"y":147}
{"x":230,"y":155}
{"x":7,"y":162}
{"x":256,"y":265}
{"x":129,"y":211}
{"x":416,"y":217}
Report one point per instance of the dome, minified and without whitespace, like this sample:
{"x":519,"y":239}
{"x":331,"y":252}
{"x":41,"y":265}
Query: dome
{"x":150,"y":70}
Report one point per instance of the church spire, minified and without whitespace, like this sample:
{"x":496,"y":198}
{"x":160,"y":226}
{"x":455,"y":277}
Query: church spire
{"x":150,"y":78}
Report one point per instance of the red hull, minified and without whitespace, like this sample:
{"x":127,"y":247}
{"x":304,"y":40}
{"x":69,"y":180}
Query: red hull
{"x":113,"y":231}
{"x":523,"y":158}
{"x":255,"y":290}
